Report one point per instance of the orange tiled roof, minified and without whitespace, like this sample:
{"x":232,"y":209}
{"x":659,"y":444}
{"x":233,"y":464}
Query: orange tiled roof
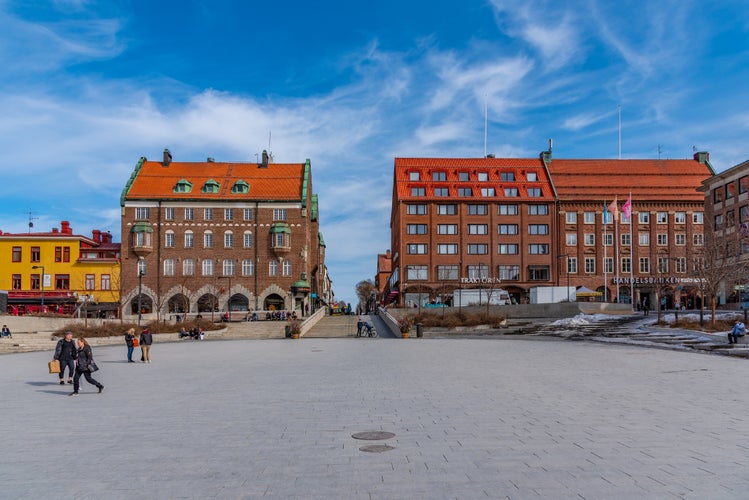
{"x":279,"y":181}
{"x":667,"y":180}
{"x":452,"y":167}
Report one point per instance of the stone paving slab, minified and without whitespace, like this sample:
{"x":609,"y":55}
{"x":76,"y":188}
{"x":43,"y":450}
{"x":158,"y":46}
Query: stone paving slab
{"x":473,"y":418}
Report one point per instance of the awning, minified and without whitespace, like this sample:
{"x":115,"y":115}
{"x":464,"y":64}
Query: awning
{"x":587,"y":292}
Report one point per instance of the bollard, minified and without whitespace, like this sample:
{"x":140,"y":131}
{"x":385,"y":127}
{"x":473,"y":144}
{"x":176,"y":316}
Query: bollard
{"x":419,"y":330}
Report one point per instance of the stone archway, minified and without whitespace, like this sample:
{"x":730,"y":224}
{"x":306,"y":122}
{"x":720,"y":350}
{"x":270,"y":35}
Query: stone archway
{"x":239,"y":302}
{"x":208,"y":303}
{"x":178,"y":303}
{"x":274,"y":302}
{"x":146,"y":304}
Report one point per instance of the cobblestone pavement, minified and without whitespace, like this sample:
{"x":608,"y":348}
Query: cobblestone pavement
{"x":472,"y":418}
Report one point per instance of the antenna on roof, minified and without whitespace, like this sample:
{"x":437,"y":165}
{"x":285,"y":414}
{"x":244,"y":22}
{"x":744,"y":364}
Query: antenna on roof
{"x":270,"y":151}
{"x":619,"y":114}
{"x":31,"y":224}
{"x":660,"y":150}
{"x":486,"y":121}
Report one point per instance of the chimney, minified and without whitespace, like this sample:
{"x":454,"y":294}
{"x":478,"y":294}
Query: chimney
{"x":96,"y":235}
{"x":210,"y":159}
{"x":167,"y":158}
{"x":387,"y":254}
{"x":55,"y":230}
{"x":265,"y":159}
{"x":546,"y":155}
{"x":106,"y":237}
{"x":65,"y":227}
{"x":702,"y":157}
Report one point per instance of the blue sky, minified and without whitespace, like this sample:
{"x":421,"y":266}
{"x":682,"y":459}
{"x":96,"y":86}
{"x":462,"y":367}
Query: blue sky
{"x":87,"y":87}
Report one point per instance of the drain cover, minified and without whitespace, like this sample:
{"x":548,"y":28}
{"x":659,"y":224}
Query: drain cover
{"x":376,"y":448}
{"x":373,"y":435}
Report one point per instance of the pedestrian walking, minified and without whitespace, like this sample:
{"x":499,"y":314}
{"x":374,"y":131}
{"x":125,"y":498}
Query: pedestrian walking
{"x":85,"y":367}
{"x":66,"y":353}
{"x":129,"y":338}
{"x":146,"y":339}
{"x":645,"y":307}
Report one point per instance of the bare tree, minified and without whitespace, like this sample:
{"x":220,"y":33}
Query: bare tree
{"x":364,"y":290}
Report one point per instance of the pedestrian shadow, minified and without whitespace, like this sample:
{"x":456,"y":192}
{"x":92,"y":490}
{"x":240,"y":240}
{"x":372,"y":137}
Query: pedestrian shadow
{"x":43,"y":383}
{"x":59,"y":393}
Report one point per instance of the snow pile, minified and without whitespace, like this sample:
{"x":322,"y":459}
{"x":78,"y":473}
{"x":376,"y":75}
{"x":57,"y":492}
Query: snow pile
{"x":580,"y":319}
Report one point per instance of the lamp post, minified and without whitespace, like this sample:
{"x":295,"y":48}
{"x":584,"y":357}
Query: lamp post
{"x":141,"y":273}
{"x":41,"y":283}
{"x":567,"y":265}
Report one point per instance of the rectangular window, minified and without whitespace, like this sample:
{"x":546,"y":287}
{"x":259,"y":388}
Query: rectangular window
{"x":509,"y":273}
{"x":681,"y":265}
{"x":680,"y":218}
{"x":35,"y":282}
{"x":36,"y":254}
{"x":169,"y":239}
{"x":447,"y":209}
{"x":248,"y":267}
{"x":416,"y":229}
{"x":17,"y":254}
{"x":680,"y":239}
{"x":66,"y":254}
{"x":189,"y":239}
{"x":718,"y":224}
{"x":538,"y":209}
{"x":538,"y":229}
{"x":531,"y":177}
{"x":169,"y":213}
{"x":58,"y":254}
{"x":538,"y":273}
{"x":480,"y":271}
{"x":447,"y":229}
{"x":207,"y":214}
{"x":626,"y":240}
{"x":106,"y":282}
{"x":168,"y":267}
{"x":661,"y":218}
{"x":279,"y":240}
{"x":589,"y":217}
{"x":441,"y":192}
{"x":414,"y":176}
{"x":608,"y":240}
{"x":608,"y":265}
{"x":439,"y":176}
{"x":247,"y":239}
{"x":508,"y":210}
{"x":208,"y":240}
{"x":730,"y":190}
{"x":228,"y":240}
{"x":743,"y":184}
{"x":699,"y":240}
{"x":507,"y":176}
{"x":279,"y":214}
{"x":488,"y":192}
{"x":463,"y":176}
{"x":418,"y":191}
{"x":90,"y":283}
{"x":62,"y":282}
{"x":228,"y":214}
{"x":534,"y":192}
{"x":644,"y":239}
{"x":538,"y":249}
{"x":644,"y":217}
{"x":644,"y":265}
{"x":417,"y":248}
{"x":188,"y":267}
{"x":590,"y":239}
{"x":571,"y":239}
{"x":447,"y":248}
{"x":571,"y":217}
{"x":511,"y":192}
{"x":416,"y":273}
{"x":447,"y":272}
{"x":507,"y":249}
{"x":507,"y":229}
{"x":142,"y":213}
{"x":662,"y":265}
{"x":730,"y":218}
{"x":478,"y":229}
{"x":590,"y":265}
{"x":477,"y":210}
{"x":662,"y":239}
{"x":697,"y":217}
{"x":15,"y":282}
{"x":189,"y":214}
{"x":208,"y":267}
{"x":465,"y":192}
{"x":247,"y":214}
{"x":228,"y":269}
{"x":626,"y":265}
{"x":717,"y":195}
{"x":478,"y":249}
{"x":483,"y":176}
{"x":572,"y":265}
{"x":416,"y":209}
{"x":273,"y":268}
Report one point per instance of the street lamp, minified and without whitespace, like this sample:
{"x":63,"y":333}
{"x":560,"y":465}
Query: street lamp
{"x":141,"y":273}
{"x":567,"y":265}
{"x":41,"y":283}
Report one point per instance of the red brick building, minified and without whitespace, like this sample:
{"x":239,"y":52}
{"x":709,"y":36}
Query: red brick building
{"x":219,"y":236}
{"x":521,"y":223}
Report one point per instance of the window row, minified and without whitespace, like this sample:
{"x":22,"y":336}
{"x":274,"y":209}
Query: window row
{"x":452,"y":273}
{"x":209,"y":214}
{"x":664,"y":265}
{"x":487,"y":192}
{"x":730,"y":218}
{"x":246,"y":267}
{"x":143,"y":239}
{"x":474,"y":209}
{"x":504,"y":229}
{"x":730,"y":190}
{"x":477,"y":249}
{"x":464,"y":176}
{"x":211,"y":186}
{"x":680,"y":239}
{"x":62,"y":254}
{"x":61,"y":282}
{"x":642,"y":218}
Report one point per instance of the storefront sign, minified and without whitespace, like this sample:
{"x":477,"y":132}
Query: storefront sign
{"x":480,"y":280}
{"x":661,"y":280}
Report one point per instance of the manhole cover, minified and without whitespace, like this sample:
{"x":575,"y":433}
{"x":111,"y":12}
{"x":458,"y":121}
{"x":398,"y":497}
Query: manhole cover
{"x":373,"y":435}
{"x":376,"y":448}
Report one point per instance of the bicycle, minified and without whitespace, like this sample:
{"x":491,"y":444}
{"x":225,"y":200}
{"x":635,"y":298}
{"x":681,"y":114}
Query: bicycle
{"x":367,"y":330}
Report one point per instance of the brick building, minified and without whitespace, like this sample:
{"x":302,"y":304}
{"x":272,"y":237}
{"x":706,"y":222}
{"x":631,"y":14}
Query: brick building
{"x":203,"y":237}
{"x":522,"y":223}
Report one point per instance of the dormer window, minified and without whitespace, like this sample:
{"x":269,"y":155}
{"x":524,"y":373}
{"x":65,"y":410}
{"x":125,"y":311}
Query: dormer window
{"x":414,"y":176}
{"x":210,"y":186}
{"x":183,"y":186}
{"x":240,"y":187}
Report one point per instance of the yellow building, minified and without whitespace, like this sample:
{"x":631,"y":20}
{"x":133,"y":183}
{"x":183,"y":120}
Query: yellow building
{"x":61,"y":272}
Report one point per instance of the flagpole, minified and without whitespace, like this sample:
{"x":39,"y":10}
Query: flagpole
{"x":604,"y":252}
{"x":616,"y":250}
{"x":632,"y":253}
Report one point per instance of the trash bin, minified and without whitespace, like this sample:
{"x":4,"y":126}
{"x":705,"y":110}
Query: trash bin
{"x":419,"y":330}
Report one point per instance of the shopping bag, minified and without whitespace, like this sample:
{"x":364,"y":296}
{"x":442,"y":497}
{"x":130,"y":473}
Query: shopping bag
{"x":54,"y":366}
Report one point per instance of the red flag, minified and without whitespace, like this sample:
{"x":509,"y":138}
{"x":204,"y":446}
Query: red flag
{"x":627,"y":207}
{"x":614,"y":208}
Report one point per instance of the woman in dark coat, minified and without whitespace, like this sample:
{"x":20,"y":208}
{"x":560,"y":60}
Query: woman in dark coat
{"x":85,"y":358}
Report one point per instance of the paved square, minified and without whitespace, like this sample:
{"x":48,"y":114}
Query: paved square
{"x":472,"y":418}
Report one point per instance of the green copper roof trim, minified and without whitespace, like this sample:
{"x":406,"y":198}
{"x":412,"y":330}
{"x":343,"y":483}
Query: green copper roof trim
{"x":320,"y":241}
{"x":141,"y":227}
{"x":305,"y":183}
{"x":183,"y":182}
{"x":240,"y":187}
{"x":210,"y":186}
{"x":314,"y":207}
{"x":300,"y":284}
{"x":280,"y":227}
{"x":130,"y":181}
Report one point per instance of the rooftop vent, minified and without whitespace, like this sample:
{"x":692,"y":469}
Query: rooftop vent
{"x":167,"y":158}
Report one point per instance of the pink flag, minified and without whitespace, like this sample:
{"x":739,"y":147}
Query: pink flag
{"x":614,"y":208}
{"x":627,"y":207}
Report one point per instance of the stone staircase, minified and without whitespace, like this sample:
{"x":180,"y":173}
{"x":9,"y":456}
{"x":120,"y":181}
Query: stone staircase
{"x":334,"y":327}
{"x":251,"y":330}
{"x":27,"y":342}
